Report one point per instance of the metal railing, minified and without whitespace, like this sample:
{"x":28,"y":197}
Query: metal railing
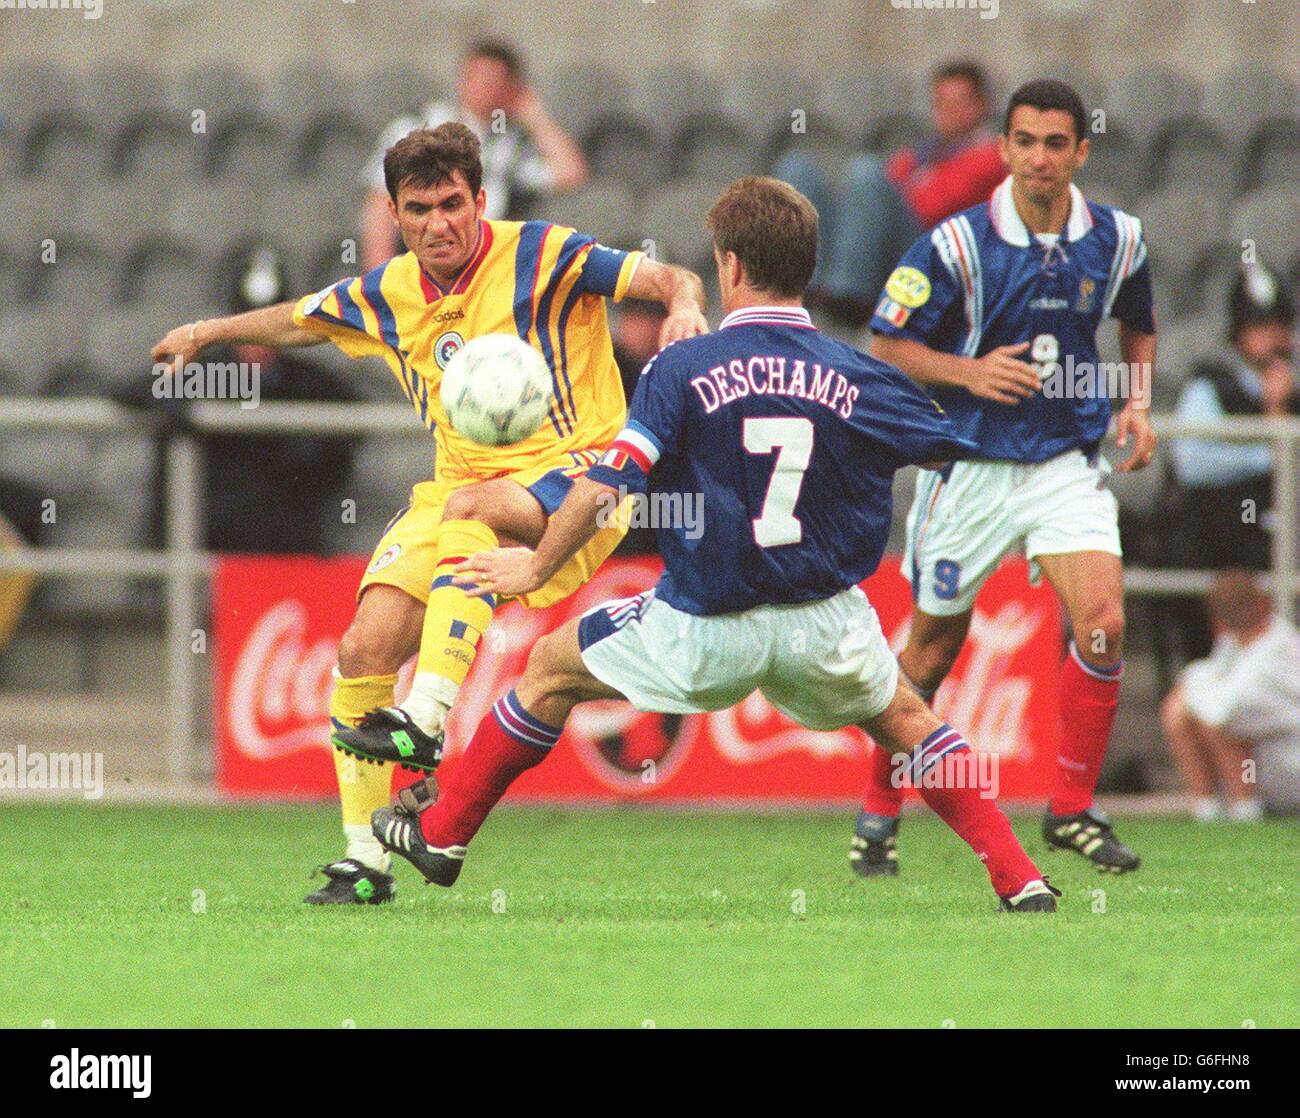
{"x":183,"y":566}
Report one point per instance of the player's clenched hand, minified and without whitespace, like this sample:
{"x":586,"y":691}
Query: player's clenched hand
{"x":505,"y":572}
{"x":1000,"y":376}
{"x":687,"y":322}
{"x":1135,"y":422}
{"x":178,"y":347}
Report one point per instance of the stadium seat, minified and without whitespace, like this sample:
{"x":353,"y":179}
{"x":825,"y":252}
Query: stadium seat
{"x":579,"y":96}
{"x":82,"y":275}
{"x":333,"y":152}
{"x":824,"y":140}
{"x":223,"y":91}
{"x":211,"y":214}
{"x":251,"y":149}
{"x":1241,"y":97}
{"x":857,"y":102}
{"x":30,"y":91}
{"x":1270,"y":156}
{"x":36,"y":338}
{"x":15,"y":272}
{"x":159,"y":148}
{"x":713,"y":147}
{"x":668,"y":94}
{"x":604,"y":209}
{"x":1179,"y":223}
{"x":674,"y":221}
{"x":391,"y":90}
{"x":628,"y":150}
{"x":768,"y":105}
{"x":113,"y":208}
{"x":168,"y":272}
{"x":1191,"y":151}
{"x":1141,"y":101}
{"x":304,"y":93}
{"x":120,"y":94}
{"x":1112,"y":157}
{"x":62,"y":153}
{"x":1206,"y":285}
{"x":1269,"y":219}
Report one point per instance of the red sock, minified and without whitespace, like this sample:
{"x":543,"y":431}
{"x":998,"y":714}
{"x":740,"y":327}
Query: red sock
{"x":941,"y":771}
{"x":882,"y":797}
{"x":508,"y":741}
{"x":1089,"y":696}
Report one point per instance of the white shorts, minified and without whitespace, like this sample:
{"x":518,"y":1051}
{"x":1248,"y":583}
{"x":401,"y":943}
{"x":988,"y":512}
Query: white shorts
{"x":825,"y":664}
{"x":959,"y":529}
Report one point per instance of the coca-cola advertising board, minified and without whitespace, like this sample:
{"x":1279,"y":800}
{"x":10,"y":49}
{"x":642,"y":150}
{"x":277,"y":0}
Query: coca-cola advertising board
{"x":278,"y":622}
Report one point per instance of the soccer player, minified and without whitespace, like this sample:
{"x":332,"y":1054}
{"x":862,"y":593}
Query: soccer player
{"x":463,"y":276}
{"x":792,"y":440}
{"x":995,"y":312}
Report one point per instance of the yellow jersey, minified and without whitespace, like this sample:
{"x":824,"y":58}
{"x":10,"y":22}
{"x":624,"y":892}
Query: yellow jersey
{"x":544,"y":282}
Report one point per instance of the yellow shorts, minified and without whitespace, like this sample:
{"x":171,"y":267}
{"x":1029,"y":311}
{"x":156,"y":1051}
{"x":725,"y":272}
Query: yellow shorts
{"x":407,"y":552}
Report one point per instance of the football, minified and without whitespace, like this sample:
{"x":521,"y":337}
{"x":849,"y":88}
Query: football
{"x":496,"y":390}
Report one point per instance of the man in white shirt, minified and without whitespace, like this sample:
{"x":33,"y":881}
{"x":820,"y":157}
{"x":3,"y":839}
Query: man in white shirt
{"x":523,"y":150}
{"x":1233,"y":720}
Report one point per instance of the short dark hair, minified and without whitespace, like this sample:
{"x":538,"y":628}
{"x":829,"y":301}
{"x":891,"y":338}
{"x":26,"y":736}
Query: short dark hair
{"x":428,"y":156}
{"x":967,"y":70}
{"x":1048,"y":93}
{"x":771,"y":228}
{"x":498,"y":50}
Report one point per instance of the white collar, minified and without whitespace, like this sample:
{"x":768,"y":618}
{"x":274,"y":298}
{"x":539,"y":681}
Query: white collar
{"x":1009,"y":226}
{"x":770,"y":316}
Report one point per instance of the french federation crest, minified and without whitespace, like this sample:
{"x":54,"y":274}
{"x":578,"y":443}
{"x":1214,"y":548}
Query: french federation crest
{"x":444,"y":349}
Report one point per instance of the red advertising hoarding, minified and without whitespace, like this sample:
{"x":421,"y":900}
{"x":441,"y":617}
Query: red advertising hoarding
{"x":277,"y":623}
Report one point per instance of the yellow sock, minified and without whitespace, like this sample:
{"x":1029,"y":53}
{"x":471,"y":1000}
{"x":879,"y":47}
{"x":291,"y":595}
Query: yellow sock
{"x":364,"y":786}
{"x":453,"y":624}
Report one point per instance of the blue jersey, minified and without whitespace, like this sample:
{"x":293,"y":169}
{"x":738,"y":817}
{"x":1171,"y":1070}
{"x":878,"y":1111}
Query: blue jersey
{"x":979,"y":280}
{"x":789,"y":441}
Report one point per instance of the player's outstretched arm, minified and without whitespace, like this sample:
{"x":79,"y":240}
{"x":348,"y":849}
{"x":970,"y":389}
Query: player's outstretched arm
{"x":1139,"y":353}
{"x":999,"y":375}
{"x":681,"y":293}
{"x":271,"y":326}
{"x":508,"y":572}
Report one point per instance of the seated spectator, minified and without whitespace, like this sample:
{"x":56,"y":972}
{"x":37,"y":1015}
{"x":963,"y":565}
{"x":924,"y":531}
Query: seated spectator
{"x":959,"y":165}
{"x":1233,"y":720}
{"x":265,"y":493}
{"x":1225,"y":489}
{"x":525,"y":152}
{"x":869,"y":220}
{"x":1216,"y":510}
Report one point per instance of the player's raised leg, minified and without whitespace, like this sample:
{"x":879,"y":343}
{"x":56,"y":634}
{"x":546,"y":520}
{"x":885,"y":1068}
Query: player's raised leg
{"x":933,"y":645}
{"x":1091,"y":584}
{"x":475,"y":518}
{"x":515,"y":735}
{"x":937,"y":763}
{"x":382,"y":635}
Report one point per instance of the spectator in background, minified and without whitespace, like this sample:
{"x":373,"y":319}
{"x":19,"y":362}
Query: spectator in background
{"x":874,"y":215}
{"x":265,"y":493}
{"x":1233,"y":720}
{"x":635,"y":332}
{"x":1224,"y":490}
{"x":525,"y":152}
{"x":959,"y":165}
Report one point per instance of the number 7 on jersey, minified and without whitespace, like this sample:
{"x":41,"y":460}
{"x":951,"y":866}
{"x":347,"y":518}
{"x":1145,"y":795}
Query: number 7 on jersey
{"x":792,"y":439}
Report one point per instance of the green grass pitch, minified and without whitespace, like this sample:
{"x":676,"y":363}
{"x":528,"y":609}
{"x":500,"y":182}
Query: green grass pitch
{"x":164,"y":916}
